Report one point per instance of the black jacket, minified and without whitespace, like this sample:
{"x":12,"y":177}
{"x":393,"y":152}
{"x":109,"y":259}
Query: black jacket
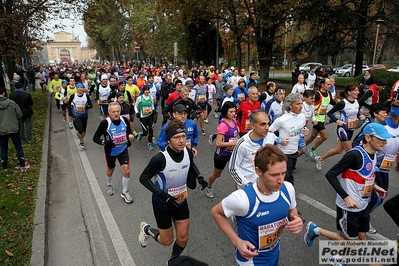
{"x":24,"y":101}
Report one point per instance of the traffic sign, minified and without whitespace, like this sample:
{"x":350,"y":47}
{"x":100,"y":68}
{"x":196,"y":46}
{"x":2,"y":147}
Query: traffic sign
{"x":137,"y":47}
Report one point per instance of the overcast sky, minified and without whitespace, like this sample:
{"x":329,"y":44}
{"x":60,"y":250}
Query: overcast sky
{"x":76,"y":27}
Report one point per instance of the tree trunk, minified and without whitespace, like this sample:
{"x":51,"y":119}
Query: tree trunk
{"x":265,"y":48}
{"x":238,"y":54}
{"x":361,"y":37}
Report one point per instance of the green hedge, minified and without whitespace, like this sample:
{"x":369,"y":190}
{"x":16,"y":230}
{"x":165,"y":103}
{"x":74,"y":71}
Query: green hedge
{"x":391,"y":77}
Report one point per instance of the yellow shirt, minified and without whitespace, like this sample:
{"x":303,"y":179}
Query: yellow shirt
{"x":71,"y":91}
{"x":53,"y":84}
{"x":133,"y":90}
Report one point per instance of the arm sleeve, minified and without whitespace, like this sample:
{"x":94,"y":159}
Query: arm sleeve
{"x":89,"y":104}
{"x":195,"y":135}
{"x":234,"y":165}
{"x":366,"y":95}
{"x":156,"y":164}
{"x":351,"y":160}
{"x":136,"y":106}
{"x":57,"y":96}
{"x":102,"y":128}
{"x":70,"y":101}
{"x":339,"y":106}
{"x":193,"y":167}
{"x":162,"y":142}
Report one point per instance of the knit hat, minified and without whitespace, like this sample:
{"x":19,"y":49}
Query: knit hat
{"x":18,"y":85}
{"x":381,"y":82}
{"x":227,"y":87}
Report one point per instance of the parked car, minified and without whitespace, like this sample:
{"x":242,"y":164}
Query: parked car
{"x":341,"y":67}
{"x":329,"y":70}
{"x":378,"y":67}
{"x":305,"y":68}
{"x":395,"y":69}
{"x":349,"y":71}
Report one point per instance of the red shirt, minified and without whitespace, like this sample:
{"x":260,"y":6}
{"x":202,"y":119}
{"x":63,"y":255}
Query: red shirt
{"x":243,"y":112}
{"x":174,"y":95}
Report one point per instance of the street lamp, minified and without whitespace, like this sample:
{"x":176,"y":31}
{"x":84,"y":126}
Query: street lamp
{"x":378,"y":21}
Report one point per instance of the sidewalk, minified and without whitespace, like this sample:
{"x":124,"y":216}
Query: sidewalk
{"x":60,"y":236}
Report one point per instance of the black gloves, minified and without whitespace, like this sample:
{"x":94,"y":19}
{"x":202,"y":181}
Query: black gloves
{"x":129,"y":143}
{"x":202,"y":182}
{"x":138,"y":115}
{"x":109,"y":144}
{"x":169,"y":200}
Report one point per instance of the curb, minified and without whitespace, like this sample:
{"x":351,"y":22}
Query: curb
{"x":39,"y":239}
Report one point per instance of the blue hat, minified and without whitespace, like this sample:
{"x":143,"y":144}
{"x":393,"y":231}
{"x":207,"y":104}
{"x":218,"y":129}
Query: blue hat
{"x":377,"y":130}
{"x":79,"y":85}
{"x":64,"y":81}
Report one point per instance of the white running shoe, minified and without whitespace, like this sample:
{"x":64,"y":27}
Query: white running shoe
{"x":143,"y":236}
{"x":126,"y":196}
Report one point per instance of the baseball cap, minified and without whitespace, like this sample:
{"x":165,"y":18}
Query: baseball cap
{"x":185,"y":72}
{"x":104,"y":77}
{"x":179,"y":108}
{"x":377,"y":130}
{"x":381,"y":82}
{"x":189,"y":82}
{"x":232,"y":68}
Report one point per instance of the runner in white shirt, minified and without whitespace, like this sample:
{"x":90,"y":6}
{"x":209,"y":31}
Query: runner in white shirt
{"x":233,"y":81}
{"x":291,"y":125}
{"x":300,"y":86}
{"x":308,"y":112}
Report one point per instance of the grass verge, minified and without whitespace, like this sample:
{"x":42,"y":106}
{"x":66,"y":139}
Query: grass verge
{"x":18,"y":192}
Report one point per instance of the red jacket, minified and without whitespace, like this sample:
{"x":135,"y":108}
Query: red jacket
{"x":243,"y":112}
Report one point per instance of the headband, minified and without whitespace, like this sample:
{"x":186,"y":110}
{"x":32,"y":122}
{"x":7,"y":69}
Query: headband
{"x":173,"y":131}
{"x":394,"y":111}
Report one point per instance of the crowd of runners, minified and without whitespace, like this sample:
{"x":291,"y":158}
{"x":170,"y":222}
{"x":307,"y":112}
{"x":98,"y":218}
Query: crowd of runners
{"x":259,"y":137}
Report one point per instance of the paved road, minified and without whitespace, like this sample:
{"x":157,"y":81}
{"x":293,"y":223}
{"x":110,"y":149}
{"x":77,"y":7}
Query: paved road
{"x":87,"y":227}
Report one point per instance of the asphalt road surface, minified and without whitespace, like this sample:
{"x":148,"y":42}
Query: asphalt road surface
{"x":113,"y":225}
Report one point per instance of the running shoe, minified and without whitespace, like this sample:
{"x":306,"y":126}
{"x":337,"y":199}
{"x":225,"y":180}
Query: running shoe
{"x":307,"y":153}
{"x":149,"y":146}
{"x":139,"y":137}
{"x":143,"y":236}
{"x":206,"y":121}
{"x":318,"y":136}
{"x":372,"y":230}
{"x":63,"y":119}
{"x":154,"y":142}
{"x":110,"y":191}
{"x":210,"y":139}
{"x":82,"y":145}
{"x":313,"y":153}
{"x":70,"y":126}
{"x":209,"y":193}
{"x":310,"y":234}
{"x":319,"y":163}
{"x":25,"y":168}
{"x":215,"y":115}
{"x":126,"y":196}
{"x":203,"y":132}
{"x":135,"y":134}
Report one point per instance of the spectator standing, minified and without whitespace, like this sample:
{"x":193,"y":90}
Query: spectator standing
{"x":24,"y":100}
{"x":9,"y":115}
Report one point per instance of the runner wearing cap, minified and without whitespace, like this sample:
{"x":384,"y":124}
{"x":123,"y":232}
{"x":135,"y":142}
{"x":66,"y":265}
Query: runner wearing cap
{"x":79,"y":103}
{"x":173,"y":171}
{"x":103,"y":92}
{"x":180,"y":113}
{"x":354,"y":188}
{"x":274,"y":107}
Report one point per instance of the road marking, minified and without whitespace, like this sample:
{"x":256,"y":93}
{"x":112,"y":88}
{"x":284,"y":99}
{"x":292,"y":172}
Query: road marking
{"x":333,"y":213}
{"x":119,"y":243}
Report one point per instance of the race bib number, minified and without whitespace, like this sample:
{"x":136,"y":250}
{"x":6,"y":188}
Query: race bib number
{"x":248,"y":125}
{"x":269,"y":234}
{"x":119,"y":138}
{"x":179,"y":193}
{"x":103,"y":99}
{"x":230,"y":148}
{"x":80,"y":108}
{"x":352,"y":123}
{"x":188,"y":143}
{"x":241,"y":97}
{"x":202,"y":98}
{"x":323,"y":110}
{"x":368,"y":187}
{"x":387,"y":162}
{"x":147,"y":110}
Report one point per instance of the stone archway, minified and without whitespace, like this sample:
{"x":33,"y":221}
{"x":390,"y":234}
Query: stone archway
{"x":65,"y":55}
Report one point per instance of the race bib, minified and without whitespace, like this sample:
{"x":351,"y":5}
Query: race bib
{"x":188,"y":143}
{"x":119,"y":138}
{"x":202,"y":98}
{"x":104,"y":99}
{"x":269,"y":234}
{"x":230,"y":148}
{"x":241,"y":97}
{"x":179,"y":193}
{"x":147,"y":110}
{"x":248,"y":125}
{"x":80,"y":108}
{"x":323,"y":110}
{"x":368,"y":187}
{"x":387,"y":162}
{"x":352,"y":123}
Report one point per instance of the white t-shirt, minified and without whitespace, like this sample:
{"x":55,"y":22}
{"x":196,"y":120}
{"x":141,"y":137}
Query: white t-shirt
{"x":298,"y":88}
